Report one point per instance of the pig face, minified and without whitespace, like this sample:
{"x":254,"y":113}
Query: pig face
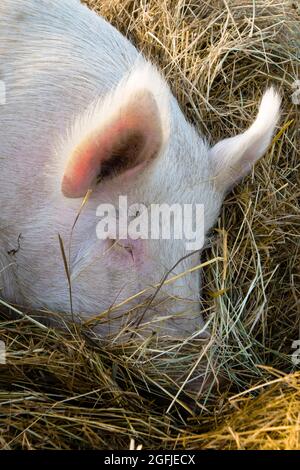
{"x":64,"y":165}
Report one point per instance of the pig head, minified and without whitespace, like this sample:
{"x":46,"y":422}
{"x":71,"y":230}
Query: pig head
{"x":87,"y":120}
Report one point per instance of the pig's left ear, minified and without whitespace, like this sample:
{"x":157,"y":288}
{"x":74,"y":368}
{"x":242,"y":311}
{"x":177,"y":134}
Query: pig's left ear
{"x":120,"y":134}
{"x":234,"y":157}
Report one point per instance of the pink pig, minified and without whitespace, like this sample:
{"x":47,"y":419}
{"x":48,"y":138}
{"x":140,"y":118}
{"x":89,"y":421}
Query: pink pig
{"x":85,"y":112}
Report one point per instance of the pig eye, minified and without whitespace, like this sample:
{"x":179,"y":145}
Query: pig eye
{"x":136,"y":211}
{"x":122,"y":249}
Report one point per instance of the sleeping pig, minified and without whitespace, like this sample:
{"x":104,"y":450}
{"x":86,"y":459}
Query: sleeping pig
{"x":88,"y":126}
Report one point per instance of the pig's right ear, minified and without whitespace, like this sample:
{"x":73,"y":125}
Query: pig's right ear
{"x":233,"y":158}
{"x":120,"y":134}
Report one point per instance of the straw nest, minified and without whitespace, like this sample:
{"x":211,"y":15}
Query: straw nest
{"x":65,"y":390}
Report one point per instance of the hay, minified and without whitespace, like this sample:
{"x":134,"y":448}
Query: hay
{"x":65,"y":390}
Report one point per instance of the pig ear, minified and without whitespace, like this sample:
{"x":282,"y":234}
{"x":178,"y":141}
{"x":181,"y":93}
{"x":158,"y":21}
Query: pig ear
{"x":233,"y":158}
{"x":120,"y":134}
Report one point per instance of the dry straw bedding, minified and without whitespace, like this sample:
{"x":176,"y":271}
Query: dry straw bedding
{"x":64,"y":390}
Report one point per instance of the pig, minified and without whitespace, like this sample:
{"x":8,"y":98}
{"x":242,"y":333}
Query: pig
{"x":87,"y":119}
